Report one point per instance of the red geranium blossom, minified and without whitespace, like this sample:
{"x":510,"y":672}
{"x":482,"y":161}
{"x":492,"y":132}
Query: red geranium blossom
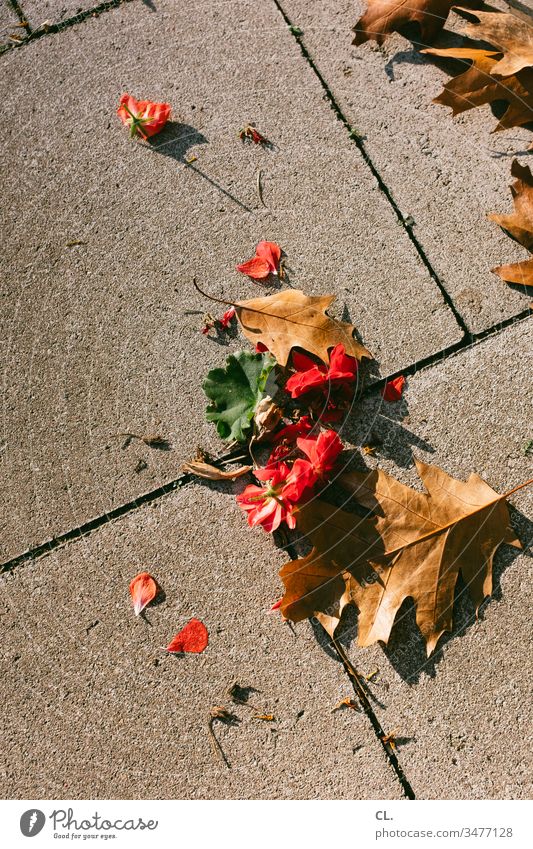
{"x":143,"y":117}
{"x":226,"y":319}
{"x":268,"y":506}
{"x":310,"y":376}
{"x":322,"y":452}
{"x":265,"y":262}
{"x":393,"y":390}
{"x":294,"y":430}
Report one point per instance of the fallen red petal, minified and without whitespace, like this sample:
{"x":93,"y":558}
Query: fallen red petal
{"x":277,"y":605}
{"x":393,"y":390}
{"x":143,"y":590}
{"x":256,"y":268}
{"x":193,"y":638}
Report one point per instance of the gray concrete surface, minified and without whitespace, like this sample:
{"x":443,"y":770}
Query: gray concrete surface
{"x":464,"y":715}
{"x":93,"y":708}
{"x":8,"y":24}
{"x":103,"y":337}
{"x":447,"y":174}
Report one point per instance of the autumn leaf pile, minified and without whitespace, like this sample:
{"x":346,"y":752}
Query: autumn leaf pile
{"x":496,"y":55}
{"x":284,"y":401}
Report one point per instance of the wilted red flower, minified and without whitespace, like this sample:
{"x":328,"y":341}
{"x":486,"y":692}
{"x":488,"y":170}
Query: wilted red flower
{"x":252,"y":133}
{"x":393,"y":389}
{"x":265,"y":262}
{"x":143,"y":117}
{"x":267,"y":506}
{"x":310,"y":375}
{"x":291,"y":432}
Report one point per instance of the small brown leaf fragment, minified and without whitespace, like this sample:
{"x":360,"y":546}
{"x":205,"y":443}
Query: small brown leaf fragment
{"x":153,"y":440}
{"x":390,"y":739}
{"x":75,"y":242}
{"x":519,"y":225}
{"x":291,"y":319}
{"x":212,"y":473}
{"x":369,"y":449}
{"x":265,"y":717}
{"x":346,"y":703}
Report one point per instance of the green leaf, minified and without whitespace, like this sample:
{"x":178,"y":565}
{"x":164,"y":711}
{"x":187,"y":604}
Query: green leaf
{"x":235,"y":392}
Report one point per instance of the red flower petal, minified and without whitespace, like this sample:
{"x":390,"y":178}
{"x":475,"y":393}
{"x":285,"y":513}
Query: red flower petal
{"x":143,"y":590}
{"x":277,"y":605}
{"x":393,"y":390}
{"x":271,"y":252}
{"x":260,"y":348}
{"x":143,"y":117}
{"x":256,"y":268}
{"x":193,"y":638}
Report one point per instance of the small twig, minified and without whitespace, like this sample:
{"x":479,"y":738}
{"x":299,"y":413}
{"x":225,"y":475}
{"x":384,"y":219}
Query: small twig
{"x":260,"y":188}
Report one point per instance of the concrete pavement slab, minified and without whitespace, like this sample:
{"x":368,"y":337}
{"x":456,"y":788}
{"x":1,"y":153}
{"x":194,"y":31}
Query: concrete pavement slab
{"x":39,"y":12}
{"x":102,"y":325}
{"x":92,"y":708}
{"x":445,"y":174}
{"x":463,"y":717}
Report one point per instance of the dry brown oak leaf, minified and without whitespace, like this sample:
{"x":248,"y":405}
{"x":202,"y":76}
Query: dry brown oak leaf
{"x":519,"y":225}
{"x":510,"y":34}
{"x":383,"y":17}
{"x":414,"y":546}
{"x":291,"y":319}
{"x":477,"y":87}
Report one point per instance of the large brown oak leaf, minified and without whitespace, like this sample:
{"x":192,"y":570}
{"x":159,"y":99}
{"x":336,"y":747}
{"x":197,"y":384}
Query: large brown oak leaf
{"x":291,"y":319}
{"x":414,"y":546}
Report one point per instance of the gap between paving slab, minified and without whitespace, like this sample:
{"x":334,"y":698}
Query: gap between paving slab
{"x":446,"y":174}
{"x":103,"y":337}
{"x":93,"y":707}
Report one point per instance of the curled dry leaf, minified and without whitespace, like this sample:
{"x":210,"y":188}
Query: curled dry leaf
{"x":510,"y":34}
{"x":291,"y":319}
{"x":143,"y":590}
{"x":346,"y":703}
{"x":384,"y":17}
{"x":414,"y":546}
{"x":193,"y":639}
{"x":212,"y":473}
{"x":519,"y":225}
{"x":266,"y":419}
{"x":477,"y":87}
